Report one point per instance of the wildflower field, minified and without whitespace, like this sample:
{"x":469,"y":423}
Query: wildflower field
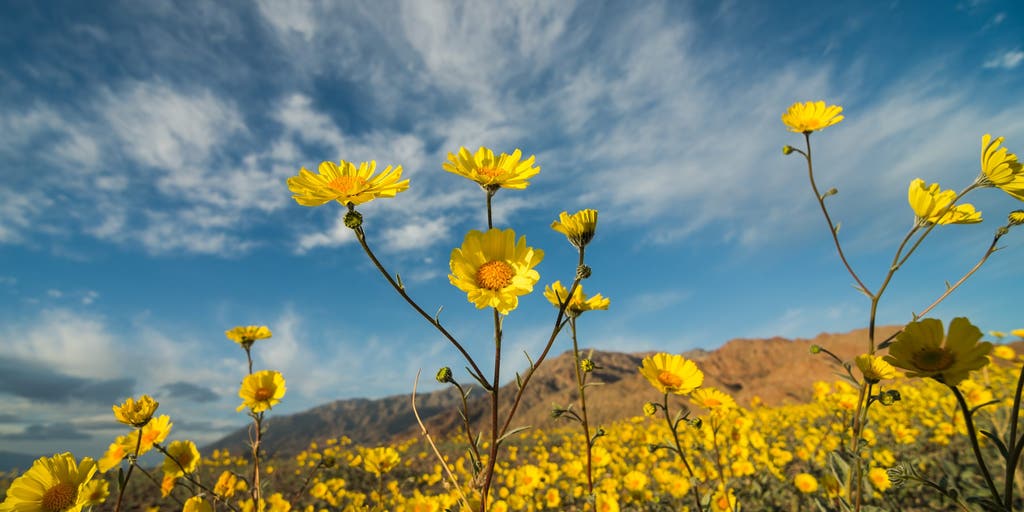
{"x":926,"y":419}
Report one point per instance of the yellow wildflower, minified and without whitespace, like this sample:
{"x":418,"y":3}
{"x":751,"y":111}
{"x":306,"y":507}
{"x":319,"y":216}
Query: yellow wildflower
{"x":671,"y":373}
{"x":345,"y":183}
{"x":711,"y":398}
{"x":197,"y":504}
{"x":1000,"y":168}
{"x":875,"y":368}
{"x":578,"y":228}
{"x":811,"y":116}
{"x":806,"y":483}
{"x":180,"y":455}
{"x":493,"y":269}
{"x":1004,"y":352}
{"x":54,"y":483}
{"x":136,"y":412}
{"x":380,"y":460}
{"x":557,"y":294}
{"x":505,"y":171}
{"x":246,"y":335}
{"x":261,"y":391}
{"x":932,"y":205}
{"x":920,"y":350}
{"x":96,"y":491}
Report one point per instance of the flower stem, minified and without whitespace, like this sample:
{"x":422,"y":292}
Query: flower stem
{"x":969,"y":421}
{"x":1013,"y":449}
{"x":679,"y":451}
{"x":131,"y":466}
{"x":581,"y":378}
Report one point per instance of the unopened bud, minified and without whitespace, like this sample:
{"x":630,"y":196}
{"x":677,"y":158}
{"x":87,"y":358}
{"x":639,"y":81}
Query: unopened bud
{"x":444,"y":375}
{"x":650,"y":409}
{"x":787,"y":150}
{"x":587,"y":365}
{"x":815,"y":349}
{"x":1016,"y":217}
{"x":353,"y":219}
{"x":889,"y":397}
{"x":583,"y":272}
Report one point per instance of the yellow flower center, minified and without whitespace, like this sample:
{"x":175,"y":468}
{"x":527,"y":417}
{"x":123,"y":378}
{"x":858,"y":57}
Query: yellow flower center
{"x":59,"y":497}
{"x":490,"y":172}
{"x":933,"y":360}
{"x":712,"y":402}
{"x":722,"y":503}
{"x":347,"y":185}
{"x":670,"y":380}
{"x":263,"y":394}
{"x":494,"y":275}
{"x":811,"y":124}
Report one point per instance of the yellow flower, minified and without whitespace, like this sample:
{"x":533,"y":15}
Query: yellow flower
{"x":505,"y":171}
{"x":811,"y":116}
{"x":1015,"y":218}
{"x":806,"y":483}
{"x":634,"y":481}
{"x":345,"y":183}
{"x":494,"y":269}
{"x":261,"y":390}
{"x":606,"y":502}
{"x":180,"y":454}
{"x":248,"y":334}
{"x":380,"y":460}
{"x":52,"y":484}
{"x":96,"y":492}
{"x":1004,"y":352}
{"x":671,"y":373}
{"x":154,"y":432}
{"x":197,"y":504}
{"x":136,"y":413}
{"x":879,"y":479}
{"x":711,"y":398}
{"x":1018,"y":333}
{"x":557,"y":294}
{"x":226,"y":484}
{"x":1000,"y":168}
{"x":931,"y":205}
{"x":578,"y":228}
{"x":920,"y":350}
{"x":723,"y":501}
{"x":875,"y":368}
{"x":117,"y":451}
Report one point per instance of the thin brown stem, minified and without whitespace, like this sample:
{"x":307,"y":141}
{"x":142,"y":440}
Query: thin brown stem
{"x":584,"y":422}
{"x":437,"y":453}
{"x":256,"y":491}
{"x":492,"y":458}
{"x":131,"y":465}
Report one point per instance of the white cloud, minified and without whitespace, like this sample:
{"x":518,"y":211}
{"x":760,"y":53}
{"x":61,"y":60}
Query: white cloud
{"x":338,"y":234}
{"x":1008,"y":60}
{"x":416,"y":234}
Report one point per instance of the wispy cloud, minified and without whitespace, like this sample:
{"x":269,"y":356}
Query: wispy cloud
{"x":1008,"y":60}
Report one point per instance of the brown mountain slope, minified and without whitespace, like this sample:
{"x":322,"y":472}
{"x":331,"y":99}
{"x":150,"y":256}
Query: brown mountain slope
{"x":777,"y":370}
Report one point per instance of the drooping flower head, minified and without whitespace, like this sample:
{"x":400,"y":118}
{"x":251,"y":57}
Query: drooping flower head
{"x":380,"y":460}
{"x":672,"y":373}
{"x":578,"y":228}
{"x":494,"y":269}
{"x":261,"y":390}
{"x":811,"y":116}
{"x":246,"y":335}
{"x":1000,"y":168}
{"x":875,"y":368}
{"x":52,"y":484}
{"x":557,"y":295}
{"x":922,"y":350}
{"x":491,"y":172}
{"x":345,"y":183}
{"x":931,"y":205}
{"x":136,"y":412}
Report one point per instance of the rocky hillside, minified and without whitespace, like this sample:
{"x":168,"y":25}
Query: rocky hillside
{"x":777,"y":370}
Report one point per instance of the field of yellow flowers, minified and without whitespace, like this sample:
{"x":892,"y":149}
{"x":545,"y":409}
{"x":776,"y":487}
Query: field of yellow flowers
{"x":927,"y":419}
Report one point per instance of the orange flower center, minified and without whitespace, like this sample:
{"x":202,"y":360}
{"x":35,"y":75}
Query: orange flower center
{"x":494,"y":275}
{"x":933,"y":360}
{"x":670,"y":380}
{"x":712,"y":402}
{"x":185,"y":459}
{"x":490,"y":172}
{"x":347,"y":185}
{"x":263,"y":394}
{"x":722,"y":503}
{"x":59,"y":497}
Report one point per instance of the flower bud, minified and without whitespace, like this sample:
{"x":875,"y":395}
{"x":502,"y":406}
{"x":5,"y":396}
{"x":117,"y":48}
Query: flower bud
{"x":583,"y":272}
{"x":328,"y":461}
{"x":889,"y":397}
{"x":587,"y":365}
{"x":444,"y":375}
{"x":1016,"y":217}
{"x":353,"y":219}
{"x":815,"y":349}
{"x":787,"y":150}
{"x":650,"y":409}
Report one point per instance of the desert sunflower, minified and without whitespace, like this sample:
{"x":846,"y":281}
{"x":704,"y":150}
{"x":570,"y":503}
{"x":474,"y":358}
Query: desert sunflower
{"x":578,"y":228}
{"x":931,"y":205}
{"x":557,"y":294}
{"x":811,"y":116}
{"x":380,"y":460}
{"x":921,"y":350}
{"x":1000,"y":168}
{"x":246,"y":335}
{"x":261,"y":390}
{"x":711,"y":399}
{"x":180,"y":455}
{"x":494,"y":269}
{"x":198,"y":504}
{"x":874,"y":368}
{"x":490,"y":172}
{"x":136,"y":412}
{"x":345,"y":183}
{"x":52,"y":484}
{"x":672,"y":373}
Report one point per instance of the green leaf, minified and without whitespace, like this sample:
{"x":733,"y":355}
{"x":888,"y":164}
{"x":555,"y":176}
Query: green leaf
{"x":999,"y":443}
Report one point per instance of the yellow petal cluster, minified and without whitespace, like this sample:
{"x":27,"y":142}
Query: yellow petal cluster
{"x":811,"y":116}
{"x":261,"y":391}
{"x":578,"y":228}
{"x":56,"y":483}
{"x":380,"y":460}
{"x":874,"y":368}
{"x":345,"y":183}
{"x":672,"y":373}
{"x":246,"y":335}
{"x":931,"y":205}
{"x":711,"y":399}
{"x":923,"y":351}
{"x":557,"y":295}
{"x":136,"y":412}
{"x":1000,"y":168}
{"x":181,"y":457}
{"x":492,"y":172}
{"x":494,"y":269}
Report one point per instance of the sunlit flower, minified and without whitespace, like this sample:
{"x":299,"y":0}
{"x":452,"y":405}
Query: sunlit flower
{"x":246,"y":335}
{"x":557,"y":294}
{"x":1015,"y":218}
{"x":723,"y":501}
{"x":136,"y":412}
{"x":197,"y":504}
{"x":1018,"y":333}
{"x":261,"y":390}
{"x":711,"y":398}
{"x":879,"y":479}
{"x":345,"y":183}
{"x":380,"y":460}
{"x":806,"y":483}
{"x":1004,"y":352}
{"x":811,"y":116}
{"x":490,"y":172}
{"x":181,"y":455}
{"x":975,"y":394}
{"x":116,"y":453}
{"x":671,"y":373}
{"x":931,"y":205}
{"x":52,"y":484}
{"x":650,"y":409}
{"x":494,"y":269}
{"x":96,"y":491}
{"x":1000,"y":168}
{"x":226,"y":484}
{"x":578,"y":228}
{"x":875,"y":368}
{"x":634,"y":481}
{"x":606,"y":502}
{"x":920,"y":350}
{"x":156,"y":431}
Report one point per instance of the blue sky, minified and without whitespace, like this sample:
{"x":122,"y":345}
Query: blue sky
{"x":145,"y":146}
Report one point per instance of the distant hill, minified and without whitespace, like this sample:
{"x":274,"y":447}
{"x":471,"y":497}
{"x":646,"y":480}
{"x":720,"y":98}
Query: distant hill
{"x":777,"y":370}
{"x":10,"y":461}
